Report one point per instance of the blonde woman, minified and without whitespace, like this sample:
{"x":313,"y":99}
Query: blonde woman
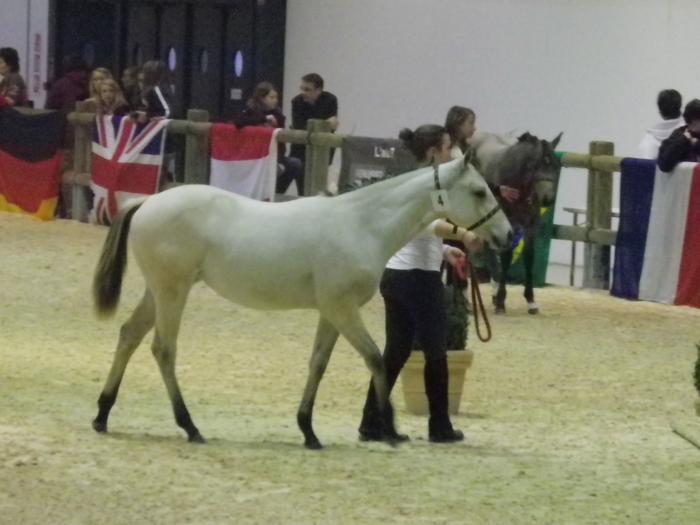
{"x":97,"y":76}
{"x":110,"y":99}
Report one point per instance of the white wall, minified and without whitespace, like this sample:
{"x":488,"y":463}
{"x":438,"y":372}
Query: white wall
{"x":24,"y":25}
{"x":591,"y":68}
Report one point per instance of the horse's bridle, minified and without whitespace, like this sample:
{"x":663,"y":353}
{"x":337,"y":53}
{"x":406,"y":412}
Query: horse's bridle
{"x":482,"y":220}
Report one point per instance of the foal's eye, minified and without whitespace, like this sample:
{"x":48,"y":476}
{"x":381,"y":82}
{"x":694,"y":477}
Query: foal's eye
{"x":480,"y":194}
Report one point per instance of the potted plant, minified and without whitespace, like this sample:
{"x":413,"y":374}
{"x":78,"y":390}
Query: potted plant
{"x":459,"y":358}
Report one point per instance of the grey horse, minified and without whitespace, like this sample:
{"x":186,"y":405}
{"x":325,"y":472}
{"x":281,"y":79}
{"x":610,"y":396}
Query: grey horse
{"x":529,"y":165}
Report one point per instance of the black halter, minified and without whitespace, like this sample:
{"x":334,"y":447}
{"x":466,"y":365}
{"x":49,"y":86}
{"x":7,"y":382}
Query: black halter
{"x":478,"y":223}
{"x":485,"y":218}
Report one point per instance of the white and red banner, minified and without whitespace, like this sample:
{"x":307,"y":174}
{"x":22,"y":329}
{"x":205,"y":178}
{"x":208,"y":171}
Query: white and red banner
{"x":126,"y":162}
{"x":244,"y":161}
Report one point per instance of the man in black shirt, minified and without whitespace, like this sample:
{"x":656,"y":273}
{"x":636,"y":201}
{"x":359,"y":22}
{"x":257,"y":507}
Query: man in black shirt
{"x":312,"y":103}
{"x":683,"y":145}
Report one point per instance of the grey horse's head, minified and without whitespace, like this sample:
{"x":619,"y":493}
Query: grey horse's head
{"x":531,"y":166}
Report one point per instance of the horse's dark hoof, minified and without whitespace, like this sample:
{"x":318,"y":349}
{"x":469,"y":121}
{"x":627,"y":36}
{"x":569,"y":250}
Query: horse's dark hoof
{"x":99,"y":426}
{"x":533,"y":311}
{"x":313,"y":444}
{"x":197,"y":438}
{"x":500,"y":310}
{"x":391,"y":438}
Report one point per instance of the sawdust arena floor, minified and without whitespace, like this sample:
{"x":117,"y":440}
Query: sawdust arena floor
{"x":566,"y":414}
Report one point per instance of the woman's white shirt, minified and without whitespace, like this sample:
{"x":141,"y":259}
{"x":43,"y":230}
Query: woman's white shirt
{"x":423,"y":252}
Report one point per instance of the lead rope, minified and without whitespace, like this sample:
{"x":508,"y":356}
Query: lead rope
{"x":477,"y":301}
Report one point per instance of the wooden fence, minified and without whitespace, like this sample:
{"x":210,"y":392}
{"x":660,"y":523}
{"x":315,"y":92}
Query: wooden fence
{"x":600,"y":163}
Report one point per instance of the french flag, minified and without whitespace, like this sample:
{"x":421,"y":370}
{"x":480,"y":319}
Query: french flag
{"x":244,"y":161}
{"x":657,"y":255}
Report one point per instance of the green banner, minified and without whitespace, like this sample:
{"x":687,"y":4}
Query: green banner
{"x":543,"y":240}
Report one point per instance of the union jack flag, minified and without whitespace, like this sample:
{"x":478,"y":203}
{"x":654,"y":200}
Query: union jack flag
{"x":126,"y":162}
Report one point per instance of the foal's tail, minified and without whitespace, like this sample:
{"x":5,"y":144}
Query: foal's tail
{"x":107,"y":283}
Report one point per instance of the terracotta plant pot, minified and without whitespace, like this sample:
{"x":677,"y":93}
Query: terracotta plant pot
{"x":413,"y":384}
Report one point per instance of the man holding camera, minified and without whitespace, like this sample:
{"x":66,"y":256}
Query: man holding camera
{"x":683,"y":144}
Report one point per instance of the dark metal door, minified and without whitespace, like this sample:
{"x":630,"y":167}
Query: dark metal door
{"x":173,"y":35}
{"x":238,"y":72}
{"x":87,"y":30}
{"x":206,"y":55}
{"x":141,"y":39}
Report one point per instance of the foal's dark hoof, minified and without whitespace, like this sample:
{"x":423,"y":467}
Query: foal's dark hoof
{"x":313,"y":444}
{"x":99,"y":426}
{"x":500,"y":310}
{"x":197,"y":438}
{"x":533,"y":311}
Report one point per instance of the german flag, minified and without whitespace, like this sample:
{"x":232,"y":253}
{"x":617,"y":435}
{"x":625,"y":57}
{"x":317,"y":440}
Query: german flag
{"x":30,"y":162}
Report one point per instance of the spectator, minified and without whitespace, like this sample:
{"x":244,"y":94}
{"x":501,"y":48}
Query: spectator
{"x":71,"y":88}
{"x":682,"y":145}
{"x":156,"y":102}
{"x":98,"y":75}
{"x":413,"y":297}
{"x":460,"y":123}
{"x":312,"y":103}
{"x":130,"y":86}
{"x":156,"y":97}
{"x":262,"y":109}
{"x":669,"y":104}
{"x":110,"y":99}
{"x":12,"y":86}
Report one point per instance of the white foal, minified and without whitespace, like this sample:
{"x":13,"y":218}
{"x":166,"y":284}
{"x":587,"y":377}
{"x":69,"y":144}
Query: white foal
{"x":333,"y":250}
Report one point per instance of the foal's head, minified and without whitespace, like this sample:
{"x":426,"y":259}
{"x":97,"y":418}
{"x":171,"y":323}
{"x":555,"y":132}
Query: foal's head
{"x":471,"y":202}
{"x":532,"y":167}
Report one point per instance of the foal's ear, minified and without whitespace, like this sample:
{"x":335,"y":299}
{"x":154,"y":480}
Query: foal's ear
{"x":555,"y":142}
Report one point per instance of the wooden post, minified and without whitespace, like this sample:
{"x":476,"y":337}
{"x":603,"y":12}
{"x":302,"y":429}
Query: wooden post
{"x":197,"y":151}
{"x":82,"y":161}
{"x":596,"y":269}
{"x":317,"y":158}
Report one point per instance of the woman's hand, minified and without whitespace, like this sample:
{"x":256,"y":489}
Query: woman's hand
{"x":509,"y":194}
{"x":472,"y":241}
{"x":454,"y":256}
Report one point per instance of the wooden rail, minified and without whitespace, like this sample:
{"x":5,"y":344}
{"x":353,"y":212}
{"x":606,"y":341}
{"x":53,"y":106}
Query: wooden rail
{"x":600,"y":163}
